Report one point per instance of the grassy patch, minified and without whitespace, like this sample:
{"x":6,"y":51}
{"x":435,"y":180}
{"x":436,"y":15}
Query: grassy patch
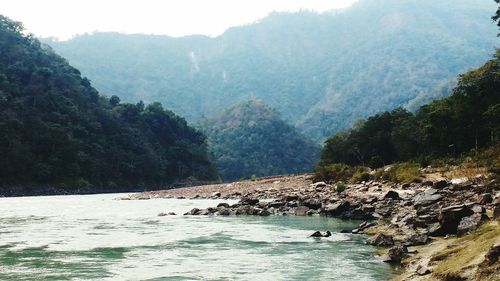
{"x":400,"y":172}
{"x":466,"y":253}
{"x":341,"y":172}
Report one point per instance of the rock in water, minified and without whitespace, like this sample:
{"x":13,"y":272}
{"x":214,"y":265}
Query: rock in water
{"x":301,"y":211}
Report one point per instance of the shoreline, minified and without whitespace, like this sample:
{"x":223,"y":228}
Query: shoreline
{"x":411,"y":224}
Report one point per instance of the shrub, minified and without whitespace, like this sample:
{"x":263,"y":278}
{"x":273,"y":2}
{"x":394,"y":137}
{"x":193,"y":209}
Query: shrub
{"x":360,"y":174}
{"x":333,"y":172}
{"x":340,"y":187}
{"x":400,"y":172}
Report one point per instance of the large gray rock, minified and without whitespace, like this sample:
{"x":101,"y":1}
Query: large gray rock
{"x":380,"y":240}
{"x":337,"y":208}
{"x":449,"y":219}
{"x":248,"y":201}
{"x":391,"y":194}
{"x":427,"y":197}
{"x":440,"y":184}
{"x":312,"y":203}
{"x":470,"y":223}
{"x":396,"y":254}
{"x":301,"y":211}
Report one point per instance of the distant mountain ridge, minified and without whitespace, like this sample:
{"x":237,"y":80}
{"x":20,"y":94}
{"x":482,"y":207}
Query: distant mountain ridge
{"x":320,"y":71}
{"x":250,"y":139}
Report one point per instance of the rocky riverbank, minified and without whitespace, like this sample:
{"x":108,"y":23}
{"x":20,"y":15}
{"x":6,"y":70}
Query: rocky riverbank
{"x":412,"y":223}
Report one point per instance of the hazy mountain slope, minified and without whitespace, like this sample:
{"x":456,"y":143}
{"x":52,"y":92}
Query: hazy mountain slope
{"x":57,"y":134}
{"x":320,"y":71}
{"x":250,"y":139}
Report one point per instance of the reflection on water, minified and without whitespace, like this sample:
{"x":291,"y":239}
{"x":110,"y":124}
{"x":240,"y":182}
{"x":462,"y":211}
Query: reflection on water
{"x":93,"y":237}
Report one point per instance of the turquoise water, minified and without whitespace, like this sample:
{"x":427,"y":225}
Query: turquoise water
{"x":93,"y":237}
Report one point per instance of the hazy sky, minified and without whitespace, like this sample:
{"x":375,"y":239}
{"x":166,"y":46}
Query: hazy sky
{"x":65,"y":18}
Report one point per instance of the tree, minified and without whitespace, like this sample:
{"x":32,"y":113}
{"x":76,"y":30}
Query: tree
{"x":496,"y":17}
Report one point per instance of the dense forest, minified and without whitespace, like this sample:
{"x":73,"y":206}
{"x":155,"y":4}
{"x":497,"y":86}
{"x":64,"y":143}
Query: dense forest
{"x":320,"y":71}
{"x":467,"y":120}
{"x":57,"y":134}
{"x":250,"y":140}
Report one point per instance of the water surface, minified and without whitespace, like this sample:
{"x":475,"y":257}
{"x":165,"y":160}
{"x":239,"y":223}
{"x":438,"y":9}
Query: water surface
{"x":93,"y":237}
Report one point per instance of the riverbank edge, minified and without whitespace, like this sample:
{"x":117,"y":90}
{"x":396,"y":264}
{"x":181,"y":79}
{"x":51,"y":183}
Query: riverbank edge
{"x":406,"y":221}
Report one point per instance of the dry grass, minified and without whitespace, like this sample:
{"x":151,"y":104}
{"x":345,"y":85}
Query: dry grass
{"x":462,"y":257}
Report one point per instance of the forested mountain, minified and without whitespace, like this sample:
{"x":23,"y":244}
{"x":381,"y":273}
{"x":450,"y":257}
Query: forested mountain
{"x":57,"y":134}
{"x":250,"y":139}
{"x":468,"y":119}
{"x":320,"y":71}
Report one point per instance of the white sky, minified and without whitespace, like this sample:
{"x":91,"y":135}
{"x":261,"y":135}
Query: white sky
{"x":66,"y":18}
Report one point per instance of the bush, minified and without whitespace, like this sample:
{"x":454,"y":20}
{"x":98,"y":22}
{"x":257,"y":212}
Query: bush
{"x":333,"y":172}
{"x":340,"y":187}
{"x":400,"y":172}
{"x":360,"y":174}
{"x":342,"y":172}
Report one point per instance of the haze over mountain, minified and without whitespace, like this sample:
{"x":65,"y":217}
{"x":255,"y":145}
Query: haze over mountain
{"x":250,"y":139}
{"x":320,"y":71}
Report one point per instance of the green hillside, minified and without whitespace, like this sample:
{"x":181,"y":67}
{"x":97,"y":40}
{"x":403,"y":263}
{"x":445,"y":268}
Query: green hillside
{"x":250,"y":139}
{"x":57,"y":134}
{"x":320,"y":71}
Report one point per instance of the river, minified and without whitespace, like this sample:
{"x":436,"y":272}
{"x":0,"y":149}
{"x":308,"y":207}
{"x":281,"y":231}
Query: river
{"x":94,"y":237}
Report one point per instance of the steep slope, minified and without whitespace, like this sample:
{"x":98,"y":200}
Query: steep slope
{"x":250,"y":139}
{"x":320,"y":71}
{"x":57,"y":134}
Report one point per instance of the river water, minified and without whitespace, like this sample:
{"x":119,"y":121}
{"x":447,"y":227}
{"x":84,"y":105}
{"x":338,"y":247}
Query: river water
{"x":94,"y":237}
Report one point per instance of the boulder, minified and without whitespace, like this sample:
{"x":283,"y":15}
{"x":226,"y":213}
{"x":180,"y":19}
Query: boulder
{"x":216,"y":194}
{"x":319,"y":234}
{"x":416,"y":240}
{"x":264,"y":213}
{"x":172,"y":214}
{"x":318,"y":184}
{"x":224,"y":212}
{"x":193,"y":212}
{"x":225,"y":205}
{"x":485,"y":198}
{"x":391,"y":194}
{"x":248,"y":201}
{"x":440,"y":184}
{"x":422,"y":270}
{"x":337,"y":208}
{"x":301,"y":211}
{"x":471,"y":223}
{"x":449,"y":219}
{"x":312,"y":203}
{"x":396,"y":254}
{"x":492,"y":255}
{"x":426,"y":197}
{"x":380,"y":240}
{"x":496,"y":212}
{"x":289,"y":198}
